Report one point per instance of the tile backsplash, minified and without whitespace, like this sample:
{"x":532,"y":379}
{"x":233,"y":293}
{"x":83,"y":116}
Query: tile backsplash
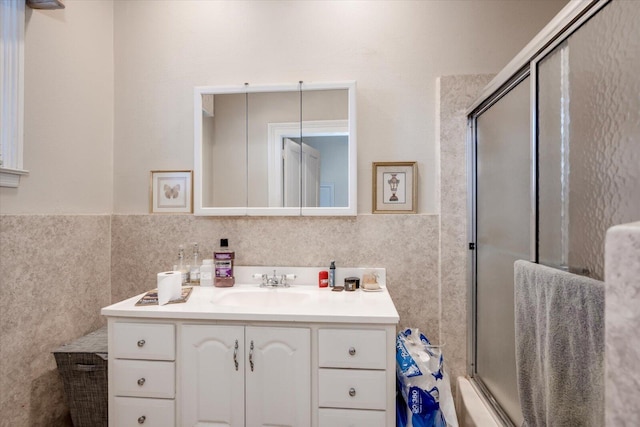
{"x":406,"y":245}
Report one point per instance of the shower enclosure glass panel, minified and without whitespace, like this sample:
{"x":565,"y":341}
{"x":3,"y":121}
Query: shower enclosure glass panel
{"x":553,"y":159}
{"x":589,"y":138}
{"x":503,"y":205}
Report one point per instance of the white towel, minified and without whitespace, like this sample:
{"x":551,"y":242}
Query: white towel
{"x":559,"y":321}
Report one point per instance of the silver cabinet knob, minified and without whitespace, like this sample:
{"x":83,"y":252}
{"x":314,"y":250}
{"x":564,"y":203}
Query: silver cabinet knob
{"x":142,"y":419}
{"x":352,"y":351}
{"x":352,"y":392}
{"x":141,"y":382}
{"x":141,"y":343}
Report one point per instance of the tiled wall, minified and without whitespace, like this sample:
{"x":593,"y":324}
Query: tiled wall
{"x":622,"y":322}
{"x":406,"y":245}
{"x":456,"y":94}
{"x":54,"y":272}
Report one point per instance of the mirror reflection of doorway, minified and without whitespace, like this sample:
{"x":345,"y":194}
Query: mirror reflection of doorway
{"x":324,"y":180}
{"x":324,"y":168}
{"x":291,"y":174}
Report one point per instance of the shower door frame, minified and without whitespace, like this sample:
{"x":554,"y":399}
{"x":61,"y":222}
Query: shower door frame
{"x":476,"y":379}
{"x":524,"y":65}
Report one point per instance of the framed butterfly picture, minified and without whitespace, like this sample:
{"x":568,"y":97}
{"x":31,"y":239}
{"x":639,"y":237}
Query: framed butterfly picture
{"x":171,"y":192}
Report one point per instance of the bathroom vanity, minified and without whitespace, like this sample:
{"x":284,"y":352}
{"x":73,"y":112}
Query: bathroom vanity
{"x":252,"y":356}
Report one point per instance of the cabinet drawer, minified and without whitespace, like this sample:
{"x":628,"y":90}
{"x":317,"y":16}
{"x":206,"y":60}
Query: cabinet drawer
{"x":133,"y":411}
{"x":360,"y":389}
{"x":351,"y":418}
{"x":143,"y":341}
{"x":143,"y":379}
{"x":352,"y":348}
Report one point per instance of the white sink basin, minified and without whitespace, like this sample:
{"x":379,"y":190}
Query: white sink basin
{"x":261,"y":298}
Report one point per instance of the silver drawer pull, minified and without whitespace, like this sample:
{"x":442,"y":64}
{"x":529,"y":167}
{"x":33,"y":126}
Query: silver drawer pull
{"x":352,"y":351}
{"x":140,"y":344}
{"x":142,"y":419}
{"x":251,"y":355}
{"x":141,"y":382}
{"x":235,"y":355}
{"x":352,"y":392}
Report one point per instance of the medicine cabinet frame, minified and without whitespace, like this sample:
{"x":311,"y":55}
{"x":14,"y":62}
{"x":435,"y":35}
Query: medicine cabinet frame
{"x":348,"y":125}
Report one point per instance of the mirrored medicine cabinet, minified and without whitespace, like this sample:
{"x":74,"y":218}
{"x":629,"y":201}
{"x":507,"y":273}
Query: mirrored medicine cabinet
{"x":285,"y":150}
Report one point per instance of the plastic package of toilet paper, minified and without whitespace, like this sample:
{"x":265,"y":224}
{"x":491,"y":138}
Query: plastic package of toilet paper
{"x":169,"y":286}
{"x":424,"y":396}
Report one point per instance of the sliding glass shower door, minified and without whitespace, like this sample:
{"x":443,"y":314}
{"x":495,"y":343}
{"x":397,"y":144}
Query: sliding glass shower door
{"x":503,"y":202}
{"x":555,"y":162}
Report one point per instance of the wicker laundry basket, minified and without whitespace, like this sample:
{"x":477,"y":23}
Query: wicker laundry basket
{"x":83,"y":368}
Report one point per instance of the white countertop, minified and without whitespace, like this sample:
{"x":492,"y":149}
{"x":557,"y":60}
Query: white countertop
{"x":315,"y":305}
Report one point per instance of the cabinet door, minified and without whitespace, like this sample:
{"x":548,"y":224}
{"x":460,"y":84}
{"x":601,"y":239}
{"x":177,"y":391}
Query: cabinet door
{"x":211,"y":384}
{"x":278,"y":385}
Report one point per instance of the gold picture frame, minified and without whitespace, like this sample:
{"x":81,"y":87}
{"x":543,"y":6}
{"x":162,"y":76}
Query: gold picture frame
{"x":395,"y":187}
{"x":171,"y":191}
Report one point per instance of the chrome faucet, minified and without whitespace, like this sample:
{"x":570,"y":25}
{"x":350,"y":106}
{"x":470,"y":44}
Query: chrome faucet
{"x":275,"y":280}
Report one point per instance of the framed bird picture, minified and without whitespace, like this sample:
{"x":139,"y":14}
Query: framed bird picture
{"x":171,"y":192}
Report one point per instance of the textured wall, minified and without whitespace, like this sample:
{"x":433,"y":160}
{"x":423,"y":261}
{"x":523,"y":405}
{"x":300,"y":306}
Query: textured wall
{"x":622,"y":323}
{"x":456,"y":95}
{"x":604,"y":131}
{"x":406,"y":245}
{"x":55,"y":279}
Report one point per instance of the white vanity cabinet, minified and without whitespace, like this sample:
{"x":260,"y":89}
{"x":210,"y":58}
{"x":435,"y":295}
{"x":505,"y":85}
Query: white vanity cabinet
{"x":229,"y":358}
{"x":227,"y":370}
{"x":186,"y":373}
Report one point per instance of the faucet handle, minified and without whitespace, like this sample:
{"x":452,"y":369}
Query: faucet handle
{"x":286,"y":278}
{"x":262,"y":277}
